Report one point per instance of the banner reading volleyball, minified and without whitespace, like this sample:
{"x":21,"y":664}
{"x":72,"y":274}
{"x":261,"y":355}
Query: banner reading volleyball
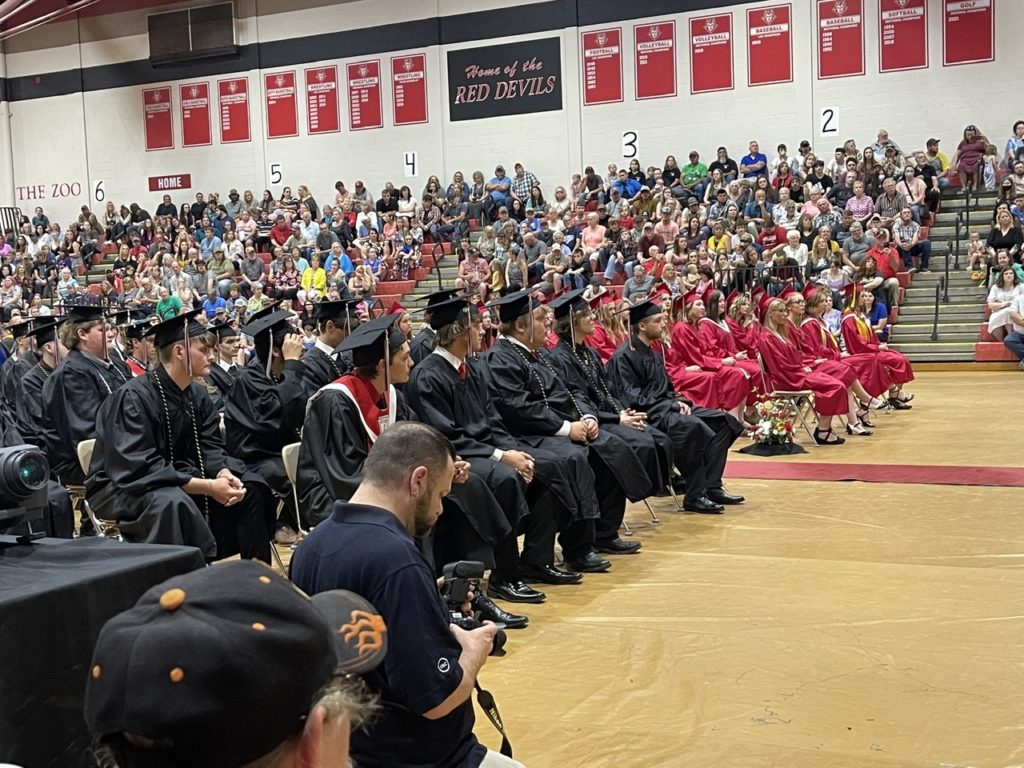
{"x":968,"y":31}
{"x":840,"y":38}
{"x":902,"y":35}
{"x":769,"y":45}
{"x":654,"y":47}
{"x":322,"y":111}
{"x":711,"y":53}
{"x":233,"y":103}
{"x":409,"y":88}
{"x":282,"y":105}
{"x":364,"y":100}
{"x":156,"y":105}
{"x":195,"y":115}
{"x":602,"y":66}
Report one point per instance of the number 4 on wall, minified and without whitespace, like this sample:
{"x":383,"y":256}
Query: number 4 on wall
{"x":828,"y":122}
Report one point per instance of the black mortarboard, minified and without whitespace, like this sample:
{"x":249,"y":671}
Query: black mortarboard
{"x":437,"y":297}
{"x":270,"y":321}
{"x":265,"y":311}
{"x":366,"y":345}
{"x":514,"y":305}
{"x":643,"y":310}
{"x":447,"y":312}
{"x":120,"y":317}
{"x":335,"y":310}
{"x":45,"y":330}
{"x":21,"y":329}
{"x":173,"y":330}
{"x":138,"y":330}
{"x":220,"y":666}
{"x":83,"y":313}
{"x":573,"y":300}
{"x":222,"y":330}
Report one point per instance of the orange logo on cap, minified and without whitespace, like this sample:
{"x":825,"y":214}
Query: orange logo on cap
{"x":367,"y":629}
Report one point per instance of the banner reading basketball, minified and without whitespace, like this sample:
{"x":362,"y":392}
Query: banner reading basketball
{"x":840,"y":38}
{"x":409,"y":88}
{"x":282,"y":105}
{"x":156,"y":105}
{"x":655,"y":51}
{"x":322,"y":110}
{"x":602,"y":66}
{"x":968,"y":32}
{"x":195,"y":115}
{"x":902,"y":35}
{"x":364,"y":105}
{"x":233,"y":100}
{"x":769,"y":45}
{"x":711,"y":53}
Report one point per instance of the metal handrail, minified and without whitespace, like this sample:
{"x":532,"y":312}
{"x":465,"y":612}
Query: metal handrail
{"x":967,"y":214}
{"x":956,"y":251}
{"x":437,"y":254}
{"x":935,"y":319}
{"x":944,"y":282}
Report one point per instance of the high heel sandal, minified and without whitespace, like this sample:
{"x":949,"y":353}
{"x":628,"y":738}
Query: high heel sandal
{"x":862,"y":418}
{"x":899,"y":405}
{"x":858,"y":429}
{"x":821,"y":437}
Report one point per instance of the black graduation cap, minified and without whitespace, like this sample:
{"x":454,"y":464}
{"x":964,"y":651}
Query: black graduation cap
{"x":567,"y":302}
{"x":222,"y":330}
{"x":642,"y":311}
{"x":21,"y":329}
{"x":366,"y":345}
{"x":83,"y":313}
{"x":447,"y":312}
{"x":268,"y":321}
{"x":138,"y":329}
{"x":120,"y":317}
{"x":514,"y":305}
{"x":265,"y":311}
{"x":171,"y":331}
{"x":336,"y":311}
{"x":438,"y":297}
{"x":45,"y":330}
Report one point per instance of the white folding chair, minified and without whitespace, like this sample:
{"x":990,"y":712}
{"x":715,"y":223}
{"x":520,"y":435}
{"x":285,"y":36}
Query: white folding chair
{"x":77,"y":492}
{"x":801,"y":401}
{"x":290,"y":457}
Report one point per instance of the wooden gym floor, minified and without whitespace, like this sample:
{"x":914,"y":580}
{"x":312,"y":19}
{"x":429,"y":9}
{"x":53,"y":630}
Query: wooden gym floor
{"x":820,"y":625}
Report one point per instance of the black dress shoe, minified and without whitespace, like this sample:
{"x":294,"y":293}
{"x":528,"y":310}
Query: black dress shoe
{"x":548,"y":574}
{"x":589,"y":563}
{"x":722,"y":496}
{"x":514,"y":591}
{"x":617,"y":546}
{"x":489,"y":611}
{"x":703,"y":505}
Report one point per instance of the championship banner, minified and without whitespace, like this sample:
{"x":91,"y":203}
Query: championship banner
{"x":233,"y":105}
{"x":364,"y":101}
{"x":968,"y":32}
{"x":602,"y":66}
{"x":195,"y":115}
{"x":323,"y":114}
{"x":902,"y":35}
{"x":840,"y":38}
{"x":282,"y":105}
{"x":711,"y":53}
{"x":654,"y":49}
{"x":769,"y":45}
{"x":409,"y":88}
{"x":156,"y":105}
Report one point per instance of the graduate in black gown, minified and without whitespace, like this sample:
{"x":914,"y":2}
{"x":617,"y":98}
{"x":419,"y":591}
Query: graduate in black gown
{"x":140,"y":346}
{"x":443,"y":393}
{"x":423,"y":342}
{"x":74,"y":392}
{"x":22,"y":358}
{"x":580,"y":368}
{"x":224,"y":368}
{"x":29,"y":411}
{"x":266,"y":406}
{"x":700,"y":436}
{"x":335,"y":321}
{"x":159,"y":467}
{"x":532,"y":401}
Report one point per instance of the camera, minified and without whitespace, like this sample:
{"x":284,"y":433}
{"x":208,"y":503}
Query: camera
{"x":461,"y":578}
{"x":24,"y":473}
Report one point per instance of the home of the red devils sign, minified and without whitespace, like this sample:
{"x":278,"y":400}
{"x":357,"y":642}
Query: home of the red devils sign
{"x":167,"y":183}
{"x":510,"y":79}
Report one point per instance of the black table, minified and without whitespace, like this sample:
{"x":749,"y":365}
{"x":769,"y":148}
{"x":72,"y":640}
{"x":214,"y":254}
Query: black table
{"x":55,"y":596}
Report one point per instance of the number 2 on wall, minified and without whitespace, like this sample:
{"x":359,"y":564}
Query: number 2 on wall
{"x":829,"y":122}
{"x":629,"y":144}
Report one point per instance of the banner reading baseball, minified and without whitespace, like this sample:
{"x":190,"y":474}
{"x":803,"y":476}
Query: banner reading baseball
{"x":769,"y":45}
{"x":654,"y":47}
{"x":711,"y":53}
{"x":840,"y":38}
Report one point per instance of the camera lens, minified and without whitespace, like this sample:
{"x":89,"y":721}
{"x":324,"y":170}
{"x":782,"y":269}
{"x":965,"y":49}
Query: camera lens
{"x":33,"y":470}
{"x":23,"y":471}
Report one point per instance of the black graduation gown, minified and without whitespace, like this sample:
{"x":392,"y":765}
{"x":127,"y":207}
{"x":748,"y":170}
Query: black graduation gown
{"x":582,"y":371}
{"x":222,"y":381}
{"x":72,"y":396}
{"x":700,"y":441}
{"x":29,"y":411}
{"x":262,"y":416}
{"x":138,"y":471}
{"x":531,"y":401}
{"x":334,"y":448}
{"x":13,"y":371}
{"x":58,"y":518}
{"x":322,"y":369}
{"x":422,"y":344}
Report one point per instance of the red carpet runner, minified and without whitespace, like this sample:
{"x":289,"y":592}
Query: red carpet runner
{"x":921,"y":474}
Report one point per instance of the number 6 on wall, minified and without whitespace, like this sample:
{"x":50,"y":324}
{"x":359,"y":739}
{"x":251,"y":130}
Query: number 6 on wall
{"x":629,"y":144}
{"x":99,"y":191}
{"x":275,"y":173}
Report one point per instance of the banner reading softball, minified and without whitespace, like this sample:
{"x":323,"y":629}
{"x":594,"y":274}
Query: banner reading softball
{"x":769,"y":45}
{"x":364,"y":104}
{"x":840,"y":38}
{"x":602,"y":66}
{"x":968,"y":31}
{"x":902,"y":35}
{"x":654,"y":48}
{"x":409,"y":88}
{"x":711,"y":53}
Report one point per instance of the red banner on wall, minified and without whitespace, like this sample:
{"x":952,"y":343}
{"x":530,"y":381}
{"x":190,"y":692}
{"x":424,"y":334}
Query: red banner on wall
{"x":769,"y":45}
{"x":364,"y":104}
{"x":169,"y":182}
{"x":195,"y":115}
{"x":322,"y":111}
{"x":840,"y":38}
{"x":156,"y":105}
{"x":233,"y":104}
{"x":968,"y":31}
{"x":282,"y":105}
{"x":602,"y":66}
{"x":902,"y":35}
{"x":711,"y":53}
{"x":409,"y":88}
{"x":654,"y":47}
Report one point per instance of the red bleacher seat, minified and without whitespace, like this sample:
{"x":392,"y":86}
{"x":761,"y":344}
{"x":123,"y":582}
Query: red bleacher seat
{"x":474,"y":225}
{"x":924,"y":232}
{"x":992,"y":352}
{"x":421,"y":273}
{"x":388,"y":299}
{"x":904,"y":278}
{"x":399,"y":287}
{"x":81,"y":270}
{"x":94,"y":289}
{"x":894,"y":315}
{"x":983,"y":333}
{"x":618,"y":289}
{"x":267,"y":258}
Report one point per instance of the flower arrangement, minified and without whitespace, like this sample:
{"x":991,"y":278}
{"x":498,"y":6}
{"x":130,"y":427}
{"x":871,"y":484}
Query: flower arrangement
{"x":775,"y":423}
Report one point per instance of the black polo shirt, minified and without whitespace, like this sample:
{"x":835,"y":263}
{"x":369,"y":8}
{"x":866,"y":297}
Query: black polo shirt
{"x":367,"y":550}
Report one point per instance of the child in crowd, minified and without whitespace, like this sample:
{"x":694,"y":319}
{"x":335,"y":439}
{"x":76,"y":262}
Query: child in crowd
{"x":975,"y":256}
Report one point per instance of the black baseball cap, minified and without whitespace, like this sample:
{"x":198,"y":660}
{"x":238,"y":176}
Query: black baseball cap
{"x":220,"y":666}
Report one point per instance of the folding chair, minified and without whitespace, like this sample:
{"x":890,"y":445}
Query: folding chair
{"x":801,"y":401}
{"x":77,"y":492}
{"x":290,"y":457}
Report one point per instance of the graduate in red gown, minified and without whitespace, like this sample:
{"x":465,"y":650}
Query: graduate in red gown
{"x":609,"y":331}
{"x":717,"y":341}
{"x":743,"y":324}
{"x":786,"y":370}
{"x":860,"y":338}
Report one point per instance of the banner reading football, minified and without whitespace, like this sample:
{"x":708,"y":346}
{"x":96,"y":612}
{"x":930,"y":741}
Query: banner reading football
{"x":156,"y":105}
{"x":968,"y":31}
{"x":602,"y":66}
{"x":233,"y":100}
{"x":711,"y":53}
{"x":282,"y":105}
{"x":409,"y":88}
{"x":655,"y":51}
{"x":902,"y":35}
{"x":364,"y":105}
{"x":195,"y":115}
{"x":322,"y":111}
{"x":840,"y":38}
{"x":769,"y":45}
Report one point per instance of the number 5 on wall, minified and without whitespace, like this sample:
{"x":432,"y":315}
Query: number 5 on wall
{"x":275,"y":174}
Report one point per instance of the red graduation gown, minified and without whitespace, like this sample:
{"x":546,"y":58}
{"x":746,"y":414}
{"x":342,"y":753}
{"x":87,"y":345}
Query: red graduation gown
{"x":831,"y":368}
{"x":601,"y":343}
{"x":868,"y":368}
{"x":715,"y":385}
{"x":746,"y":337}
{"x":860,"y":339}
{"x":785,"y":368}
{"x":718,"y":342}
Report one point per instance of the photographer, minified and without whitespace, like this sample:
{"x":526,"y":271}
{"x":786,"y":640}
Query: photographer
{"x":367,"y":546}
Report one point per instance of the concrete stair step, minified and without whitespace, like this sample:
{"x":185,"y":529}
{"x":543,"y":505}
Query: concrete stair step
{"x":899,"y":336}
{"x":943,"y":327}
{"x":957,"y":292}
{"x":938,"y":357}
{"x":934,"y":347}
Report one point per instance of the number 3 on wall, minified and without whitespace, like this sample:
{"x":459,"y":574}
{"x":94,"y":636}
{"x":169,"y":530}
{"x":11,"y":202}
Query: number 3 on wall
{"x":275,"y":173}
{"x":629,"y":144}
{"x":829,"y":122}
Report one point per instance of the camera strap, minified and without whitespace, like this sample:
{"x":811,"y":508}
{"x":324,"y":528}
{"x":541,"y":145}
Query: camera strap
{"x":490,"y":708}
